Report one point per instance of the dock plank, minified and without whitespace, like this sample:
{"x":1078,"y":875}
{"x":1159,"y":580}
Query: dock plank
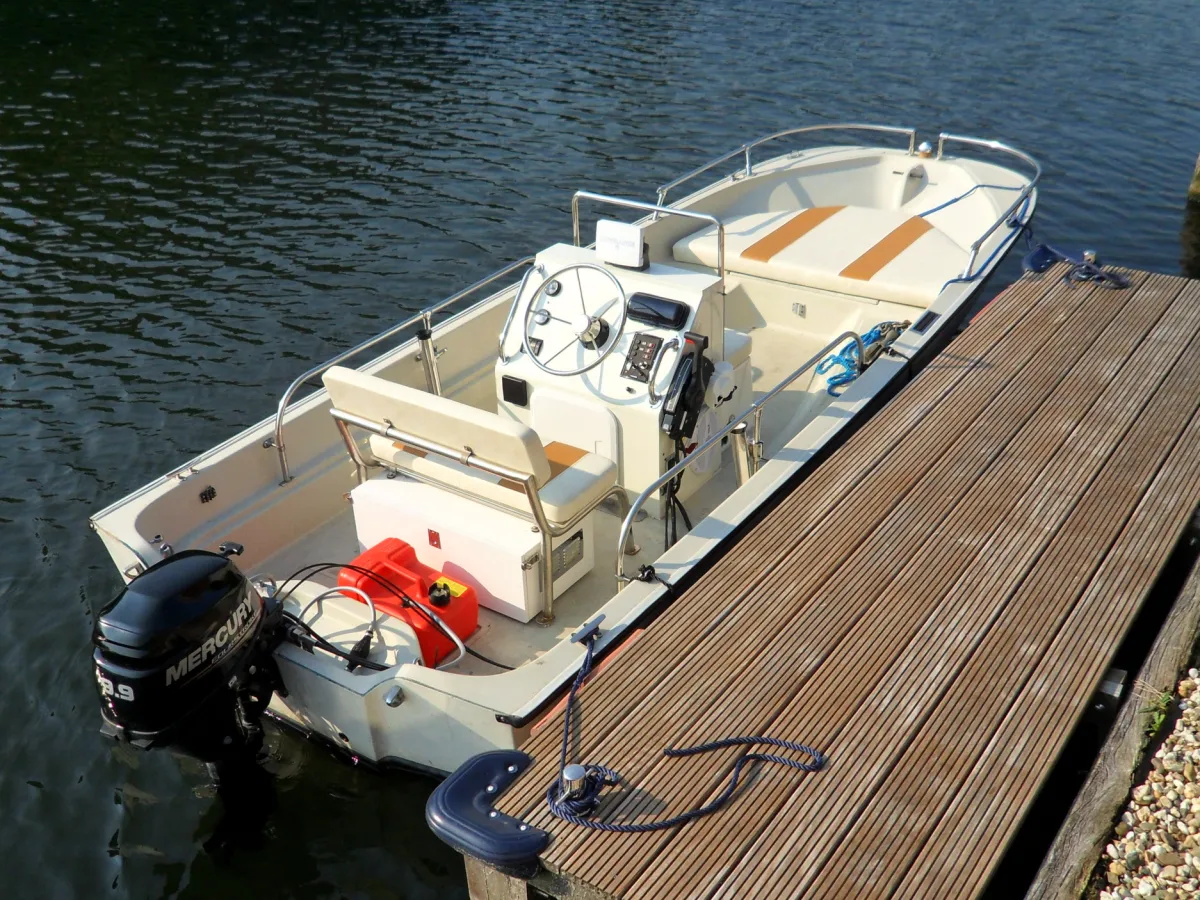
{"x":925,"y":664}
{"x":933,"y":607}
{"x":1031,"y":734}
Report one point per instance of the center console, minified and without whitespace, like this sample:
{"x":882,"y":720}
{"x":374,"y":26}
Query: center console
{"x":615,"y":408}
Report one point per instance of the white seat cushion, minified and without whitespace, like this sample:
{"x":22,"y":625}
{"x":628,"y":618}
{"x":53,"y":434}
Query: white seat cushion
{"x":578,"y":485}
{"x":578,"y":479}
{"x":881,"y":254}
{"x":569,"y":480}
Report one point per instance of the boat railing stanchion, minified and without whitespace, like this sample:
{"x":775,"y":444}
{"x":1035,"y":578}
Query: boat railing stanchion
{"x":429,"y":354}
{"x":741,"y":453}
{"x":1010,"y":215}
{"x":756,"y":446}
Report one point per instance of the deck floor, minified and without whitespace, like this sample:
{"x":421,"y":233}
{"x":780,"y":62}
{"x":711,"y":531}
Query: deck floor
{"x":932,"y":608}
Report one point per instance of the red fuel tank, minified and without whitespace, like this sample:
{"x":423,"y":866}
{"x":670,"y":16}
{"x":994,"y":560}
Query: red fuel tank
{"x":396,"y":562}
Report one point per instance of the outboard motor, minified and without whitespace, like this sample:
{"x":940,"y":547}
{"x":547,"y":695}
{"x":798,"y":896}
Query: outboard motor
{"x":183,"y":658}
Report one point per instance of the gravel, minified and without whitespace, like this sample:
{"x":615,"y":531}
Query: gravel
{"x":1155,"y":851}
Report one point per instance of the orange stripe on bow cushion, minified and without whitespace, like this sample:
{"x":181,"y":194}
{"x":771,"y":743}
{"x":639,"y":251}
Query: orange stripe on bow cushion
{"x":902,"y":237}
{"x":789,"y":232}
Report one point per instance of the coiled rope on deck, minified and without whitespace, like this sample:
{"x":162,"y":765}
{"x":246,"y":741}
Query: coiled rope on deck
{"x":847,"y":357}
{"x":578,"y":806}
{"x":1084,"y":268}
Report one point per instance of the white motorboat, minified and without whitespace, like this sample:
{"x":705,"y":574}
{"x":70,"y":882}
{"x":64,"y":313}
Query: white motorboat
{"x":647,"y":396}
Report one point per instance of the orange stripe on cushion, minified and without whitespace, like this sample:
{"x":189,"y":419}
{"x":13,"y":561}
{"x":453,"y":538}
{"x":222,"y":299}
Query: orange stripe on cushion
{"x":412,"y":451}
{"x":561,"y":457}
{"x":789,"y":232}
{"x":902,"y":237}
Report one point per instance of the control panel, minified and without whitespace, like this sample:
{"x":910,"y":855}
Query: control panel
{"x":640,"y":359}
{"x":608,"y":407}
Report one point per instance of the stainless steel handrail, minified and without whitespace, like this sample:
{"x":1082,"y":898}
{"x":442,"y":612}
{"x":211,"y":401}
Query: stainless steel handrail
{"x":663,"y":189}
{"x":655,"y":398}
{"x":755,"y":410}
{"x":423,"y":318}
{"x":512,"y":312}
{"x":1016,"y":204}
{"x":653,"y":208}
{"x":748,"y":168}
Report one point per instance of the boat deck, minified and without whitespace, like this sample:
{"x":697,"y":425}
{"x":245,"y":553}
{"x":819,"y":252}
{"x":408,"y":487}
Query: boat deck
{"x":933,"y":608}
{"x":515,"y":643}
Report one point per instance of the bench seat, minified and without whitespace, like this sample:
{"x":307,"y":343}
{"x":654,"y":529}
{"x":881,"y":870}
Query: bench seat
{"x":569,"y":481}
{"x":880,"y":254}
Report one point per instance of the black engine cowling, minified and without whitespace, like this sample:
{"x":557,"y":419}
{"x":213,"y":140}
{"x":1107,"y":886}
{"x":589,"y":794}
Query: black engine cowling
{"x":183,"y":657}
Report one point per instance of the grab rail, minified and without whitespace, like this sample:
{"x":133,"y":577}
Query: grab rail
{"x":1021,"y":197}
{"x":424,"y":318}
{"x":755,"y":410}
{"x":650,"y":207}
{"x":512,"y":312}
{"x":748,"y":169}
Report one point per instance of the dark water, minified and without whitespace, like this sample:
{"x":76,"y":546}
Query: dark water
{"x":196,"y":204}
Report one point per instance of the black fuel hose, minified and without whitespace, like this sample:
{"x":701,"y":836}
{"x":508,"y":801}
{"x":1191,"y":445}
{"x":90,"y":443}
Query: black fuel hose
{"x":304,"y":573}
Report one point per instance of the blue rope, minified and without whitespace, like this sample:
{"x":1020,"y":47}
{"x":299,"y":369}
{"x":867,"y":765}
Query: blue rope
{"x":578,"y":808}
{"x":847,"y":358}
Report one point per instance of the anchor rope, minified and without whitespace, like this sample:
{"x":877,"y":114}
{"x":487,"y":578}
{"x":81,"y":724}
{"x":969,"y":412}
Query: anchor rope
{"x":847,"y":357}
{"x":578,"y":806}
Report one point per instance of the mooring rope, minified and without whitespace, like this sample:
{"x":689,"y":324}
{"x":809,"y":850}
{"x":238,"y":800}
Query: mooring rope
{"x":578,"y":806}
{"x":848,"y":359}
{"x":1082,"y":268}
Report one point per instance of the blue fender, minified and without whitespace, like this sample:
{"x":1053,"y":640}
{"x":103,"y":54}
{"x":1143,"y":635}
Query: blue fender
{"x":1042,"y":257}
{"x":461,"y":811}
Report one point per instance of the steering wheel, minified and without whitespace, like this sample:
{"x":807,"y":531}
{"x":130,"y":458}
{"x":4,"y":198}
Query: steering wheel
{"x":566,"y":313}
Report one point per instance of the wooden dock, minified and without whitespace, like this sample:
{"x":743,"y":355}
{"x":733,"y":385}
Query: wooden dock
{"x":933,"y":608}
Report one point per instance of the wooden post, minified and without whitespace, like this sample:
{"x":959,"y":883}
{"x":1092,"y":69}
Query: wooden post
{"x":1194,"y":189}
{"x":485,"y":883}
{"x":1088,"y":827}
